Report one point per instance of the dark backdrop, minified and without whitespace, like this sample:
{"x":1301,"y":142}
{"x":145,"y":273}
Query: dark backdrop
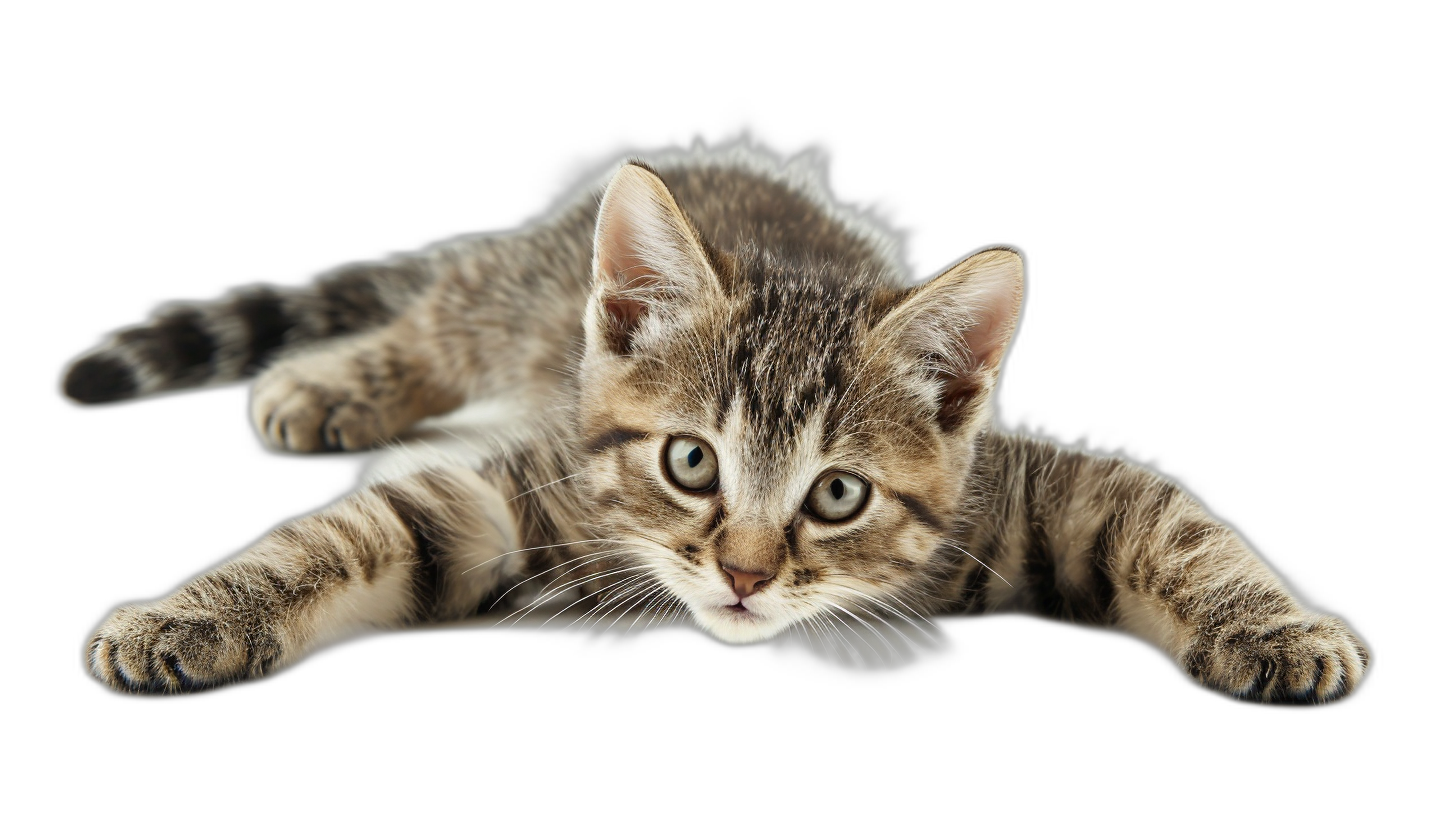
{"x":1184,"y":308}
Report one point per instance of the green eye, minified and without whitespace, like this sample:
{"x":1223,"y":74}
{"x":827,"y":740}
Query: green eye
{"x":691,"y":463}
{"x":837,"y":496}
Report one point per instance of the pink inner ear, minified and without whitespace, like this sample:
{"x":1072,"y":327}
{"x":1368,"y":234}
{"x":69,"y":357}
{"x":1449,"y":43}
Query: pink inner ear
{"x":623,"y":268}
{"x":625,"y":312}
{"x":965,"y":376}
{"x":987,"y":340}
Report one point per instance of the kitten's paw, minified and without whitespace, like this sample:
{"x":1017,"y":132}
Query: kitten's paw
{"x":150,"y":651}
{"x":295,"y":413}
{"x":1311,"y":660}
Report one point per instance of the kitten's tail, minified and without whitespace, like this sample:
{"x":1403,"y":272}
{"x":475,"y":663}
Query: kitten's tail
{"x":190,"y":344}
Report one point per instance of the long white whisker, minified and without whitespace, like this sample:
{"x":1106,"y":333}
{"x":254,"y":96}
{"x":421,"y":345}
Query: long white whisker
{"x":594,"y":556}
{"x":830,"y":624}
{"x":908,"y":608}
{"x":660,"y":610}
{"x":874,"y":630}
{"x":647,"y":603}
{"x":605,"y":605}
{"x":799,"y":630}
{"x":598,"y":592}
{"x":819,"y":632}
{"x":840,"y":626}
{"x":900,"y":634}
{"x":545,"y":598}
{"x":682,"y":609}
{"x":583,"y":580}
{"x":871,"y":612}
{"x":544,"y":486}
{"x":649,"y":591}
{"x":606,"y":556}
{"x":953,"y":546}
{"x":658,"y":606}
{"x":542,"y":547}
{"x":884,"y":605}
{"x":929,"y":599}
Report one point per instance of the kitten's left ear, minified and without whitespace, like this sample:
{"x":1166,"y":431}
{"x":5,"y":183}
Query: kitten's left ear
{"x":647,"y":257}
{"x":959,"y":324}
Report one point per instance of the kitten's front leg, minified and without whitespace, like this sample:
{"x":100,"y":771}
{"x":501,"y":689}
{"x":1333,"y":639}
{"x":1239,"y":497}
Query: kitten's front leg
{"x":389,"y":554}
{"x":1100,"y":540}
{"x":1192,"y":584}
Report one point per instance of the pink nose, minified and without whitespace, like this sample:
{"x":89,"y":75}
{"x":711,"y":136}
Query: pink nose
{"x":746,"y":583}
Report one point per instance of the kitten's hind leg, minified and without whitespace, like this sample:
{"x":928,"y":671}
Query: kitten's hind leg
{"x":354,"y":393}
{"x":502,"y":318}
{"x":193,"y":344}
{"x":429,"y":546}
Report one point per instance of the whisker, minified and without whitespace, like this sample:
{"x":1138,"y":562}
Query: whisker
{"x":593,"y":556}
{"x":655,"y":606}
{"x":912,"y":644}
{"x":661,"y":608}
{"x":650,"y":591}
{"x":835,"y":624}
{"x":862,"y":623}
{"x":808,"y":633}
{"x":798,"y":630}
{"x":544,"y":486}
{"x":652,"y":598}
{"x":606,"y":556}
{"x":605,"y":605}
{"x":838,"y":626}
{"x":811,"y":625}
{"x":884,"y":605}
{"x":545,"y":598}
{"x":591,"y":594}
{"x":543,"y":547}
{"x":953,"y":546}
{"x":911,"y":609}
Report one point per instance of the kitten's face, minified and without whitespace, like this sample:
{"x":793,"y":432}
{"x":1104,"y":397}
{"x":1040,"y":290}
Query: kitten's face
{"x":774,"y":442}
{"x":776,"y":448}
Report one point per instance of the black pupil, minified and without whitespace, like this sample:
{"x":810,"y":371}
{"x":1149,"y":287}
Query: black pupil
{"x":837,"y":488}
{"x":695,"y":456}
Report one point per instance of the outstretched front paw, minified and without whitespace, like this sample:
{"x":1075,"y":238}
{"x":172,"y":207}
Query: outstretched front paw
{"x":299,"y":409}
{"x":149,"y":650}
{"x":1314,"y":659}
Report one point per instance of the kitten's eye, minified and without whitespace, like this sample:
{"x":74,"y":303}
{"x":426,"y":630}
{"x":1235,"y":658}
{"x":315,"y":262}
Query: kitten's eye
{"x":691,"y":463}
{"x":837,"y":496}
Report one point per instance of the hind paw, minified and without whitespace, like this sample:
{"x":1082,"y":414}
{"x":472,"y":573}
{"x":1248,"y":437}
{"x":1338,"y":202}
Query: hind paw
{"x":296,"y":414}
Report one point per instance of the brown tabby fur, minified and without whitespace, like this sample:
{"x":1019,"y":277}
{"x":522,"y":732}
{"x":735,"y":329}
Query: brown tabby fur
{"x":725,"y":297}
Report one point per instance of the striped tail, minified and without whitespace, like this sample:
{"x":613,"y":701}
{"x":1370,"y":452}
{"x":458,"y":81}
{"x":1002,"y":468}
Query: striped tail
{"x":190,"y":344}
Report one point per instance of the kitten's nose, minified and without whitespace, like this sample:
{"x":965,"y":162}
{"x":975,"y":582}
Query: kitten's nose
{"x":745,"y":583}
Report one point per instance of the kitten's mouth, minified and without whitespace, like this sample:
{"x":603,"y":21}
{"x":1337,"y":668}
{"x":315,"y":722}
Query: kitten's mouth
{"x":740,"y":622}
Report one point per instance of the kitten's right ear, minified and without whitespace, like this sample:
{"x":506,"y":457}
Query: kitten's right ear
{"x":647,"y":257}
{"x":958,"y":325}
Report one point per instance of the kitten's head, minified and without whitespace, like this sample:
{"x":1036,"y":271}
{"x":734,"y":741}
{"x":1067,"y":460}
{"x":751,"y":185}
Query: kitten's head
{"x":773,"y":438}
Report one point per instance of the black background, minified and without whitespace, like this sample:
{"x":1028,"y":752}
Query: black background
{"x":1188,"y":305}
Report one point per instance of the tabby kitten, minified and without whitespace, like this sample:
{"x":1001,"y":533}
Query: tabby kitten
{"x":740,"y":412}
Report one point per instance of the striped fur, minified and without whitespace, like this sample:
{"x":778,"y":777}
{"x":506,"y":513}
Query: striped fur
{"x":724,"y":298}
{"x":190,"y":344}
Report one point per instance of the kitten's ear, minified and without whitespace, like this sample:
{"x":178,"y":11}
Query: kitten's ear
{"x":647,"y":256}
{"x":959,"y":325}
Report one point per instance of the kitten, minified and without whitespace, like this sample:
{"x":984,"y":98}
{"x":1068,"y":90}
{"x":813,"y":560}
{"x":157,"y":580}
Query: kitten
{"x":741,"y":413}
